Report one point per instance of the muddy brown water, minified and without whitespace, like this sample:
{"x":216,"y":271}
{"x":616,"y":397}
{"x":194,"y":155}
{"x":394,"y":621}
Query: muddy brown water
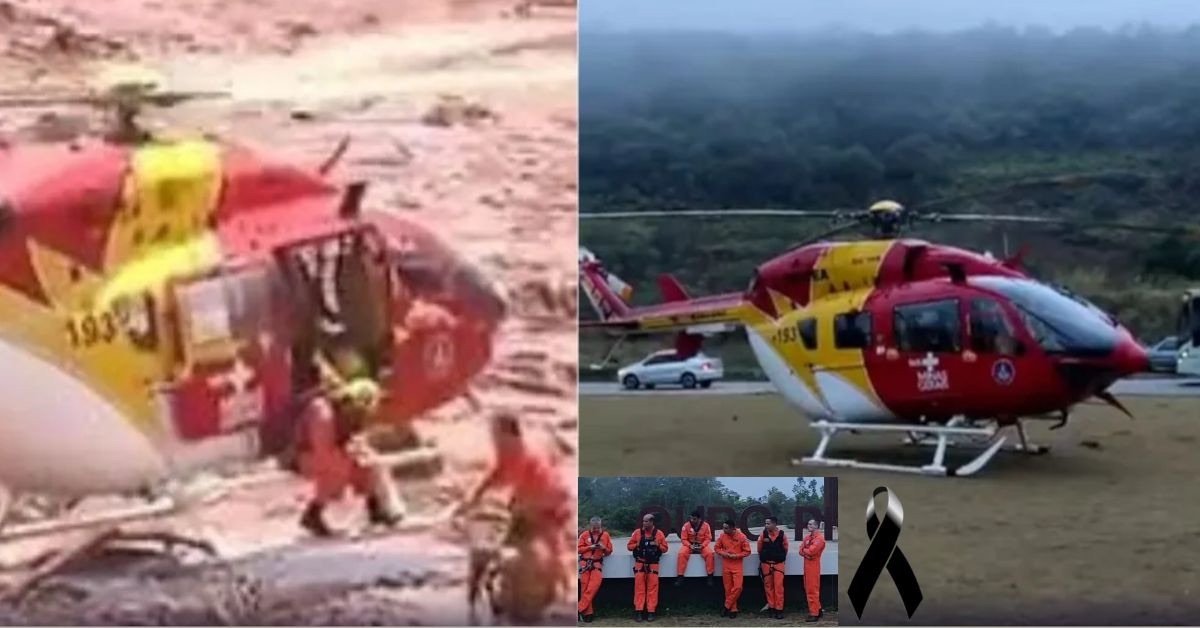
{"x":493,"y":174}
{"x":1102,"y":530}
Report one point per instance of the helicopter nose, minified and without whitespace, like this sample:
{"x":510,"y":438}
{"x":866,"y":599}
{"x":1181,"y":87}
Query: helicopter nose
{"x":1130,"y":357}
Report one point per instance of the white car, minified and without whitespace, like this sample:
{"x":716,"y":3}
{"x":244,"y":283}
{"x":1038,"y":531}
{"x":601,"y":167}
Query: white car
{"x":667,"y":367}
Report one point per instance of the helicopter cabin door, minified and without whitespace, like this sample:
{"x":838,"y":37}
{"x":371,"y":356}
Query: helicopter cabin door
{"x":340,"y":287}
{"x":916,"y":363}
{"x":232,"y":366}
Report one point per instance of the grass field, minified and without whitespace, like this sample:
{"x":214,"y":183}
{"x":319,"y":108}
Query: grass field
{"x":1102,"y":530}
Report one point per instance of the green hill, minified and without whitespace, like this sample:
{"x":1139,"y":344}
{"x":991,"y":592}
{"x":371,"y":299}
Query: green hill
{"x":829,"y":121}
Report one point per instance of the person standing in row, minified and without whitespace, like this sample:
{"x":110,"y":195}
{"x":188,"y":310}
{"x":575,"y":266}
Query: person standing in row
{"x":694,"y":536}
{"x":810,"y":549}
{"x":772,"y":553}
{"x":594,"y":545}
{"x":648,"y":544}
{"x":732,"y":547}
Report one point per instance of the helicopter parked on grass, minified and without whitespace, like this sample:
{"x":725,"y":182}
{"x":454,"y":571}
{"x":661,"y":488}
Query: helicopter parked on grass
{"x":892,"y":334}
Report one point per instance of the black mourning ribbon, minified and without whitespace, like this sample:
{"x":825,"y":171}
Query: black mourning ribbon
{"x":883,"y":553}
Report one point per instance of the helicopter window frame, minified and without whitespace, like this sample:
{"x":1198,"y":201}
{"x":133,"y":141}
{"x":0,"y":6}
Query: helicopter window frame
{"x":907,"y":335}
{"x":852,"y":330}
{"x":991,"y":342}
{"x":807,"y":330}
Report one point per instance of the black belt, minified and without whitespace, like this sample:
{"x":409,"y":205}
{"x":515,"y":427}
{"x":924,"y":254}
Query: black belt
{"x":771,"y":564}
{"x":590,"y":563}
{"x":645,"y":567}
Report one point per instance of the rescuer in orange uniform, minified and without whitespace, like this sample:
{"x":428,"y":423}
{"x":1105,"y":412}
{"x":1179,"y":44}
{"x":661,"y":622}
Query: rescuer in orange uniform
{"x":540,"y":504}
{"x":772,"y":553}
{"x":732,"y":547}
{"x":346,"y":402}
{"x":695,"y":536}
{"x":811,"y":548}
{"x":648,"y":545}
{"x":594,"y":545}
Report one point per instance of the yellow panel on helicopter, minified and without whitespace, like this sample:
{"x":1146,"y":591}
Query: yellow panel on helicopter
{"x":847,"y":266}
{"x":169,"y":198}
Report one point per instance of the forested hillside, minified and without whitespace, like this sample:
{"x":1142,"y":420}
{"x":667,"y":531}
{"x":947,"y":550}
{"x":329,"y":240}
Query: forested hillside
{"x":707,"y":120}
{"x":619,"y":500}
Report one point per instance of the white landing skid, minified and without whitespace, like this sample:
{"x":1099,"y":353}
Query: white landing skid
{"x":957,"y":433}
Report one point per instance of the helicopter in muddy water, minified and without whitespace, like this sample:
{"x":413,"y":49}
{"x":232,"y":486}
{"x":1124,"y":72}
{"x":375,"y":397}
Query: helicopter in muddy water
{"x":895,"y":335}
{"x":161,"y":298}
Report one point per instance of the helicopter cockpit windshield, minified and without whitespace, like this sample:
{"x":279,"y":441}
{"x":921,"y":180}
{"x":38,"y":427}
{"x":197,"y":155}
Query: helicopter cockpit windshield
{"x":1059,"y":323}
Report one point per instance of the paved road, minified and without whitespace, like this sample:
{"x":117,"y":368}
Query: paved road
{"x":1135,"y":387}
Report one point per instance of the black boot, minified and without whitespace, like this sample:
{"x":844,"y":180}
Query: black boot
{"x":637,"y":616}
{"x":779,"y":614}
{"x":811,"y":618}
{"x":313,"y":520}
{"x":377,"y":515}
{"x":649,"y":616}
{"x":678,"y":580}
{"x":587,"y":619}
{"x":733,"y":614}
{"x":724,"y":612}
{"x":710,"y":580}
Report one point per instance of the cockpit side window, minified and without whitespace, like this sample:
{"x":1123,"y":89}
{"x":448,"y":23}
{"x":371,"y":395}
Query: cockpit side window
{"x":989,"y":329}
{"x":928,"y":327}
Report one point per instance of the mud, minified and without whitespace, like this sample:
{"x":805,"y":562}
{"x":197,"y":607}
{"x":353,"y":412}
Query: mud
{"x":1102,"y":530}
{"x":461,"y":116}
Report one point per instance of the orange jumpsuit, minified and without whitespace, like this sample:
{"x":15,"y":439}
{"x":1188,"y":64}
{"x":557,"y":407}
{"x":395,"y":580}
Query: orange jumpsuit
{"x":772,"y":570}
{"x":811,"y":548}
{"x":538,"y":495}
{"x":590,"y":564}
{"x":689,"y":536}
{"x":645,"y":574}
{"x":737,"y":544}
{"x":323,"y":458}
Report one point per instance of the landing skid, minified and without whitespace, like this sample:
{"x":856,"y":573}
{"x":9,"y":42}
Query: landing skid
{"x":957,"y":433}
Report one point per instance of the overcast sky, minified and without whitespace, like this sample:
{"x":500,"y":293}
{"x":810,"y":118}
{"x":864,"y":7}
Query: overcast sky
{"x":879,"y":15}
{"x":758,"y":487}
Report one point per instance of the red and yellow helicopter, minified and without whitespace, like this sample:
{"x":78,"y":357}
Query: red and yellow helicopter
{"x":161,"y":300}
{"x":893,"y":334}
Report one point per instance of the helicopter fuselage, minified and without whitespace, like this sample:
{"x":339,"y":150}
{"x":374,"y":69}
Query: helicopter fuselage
{"x":161,"y":304}
{"x":883,"y":331}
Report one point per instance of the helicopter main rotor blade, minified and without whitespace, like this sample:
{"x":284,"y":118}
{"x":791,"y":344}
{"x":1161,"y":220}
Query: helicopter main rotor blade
{"x":826,"y":234}
{"x":160,"y":99}
{"x":722,"y":213}
{"x":1042,"y":220}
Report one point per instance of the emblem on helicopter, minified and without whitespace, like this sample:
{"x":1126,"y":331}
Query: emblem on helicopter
{"x":930,"y":379}
{"x":240,"y":402}
{"x":1003,"y":372}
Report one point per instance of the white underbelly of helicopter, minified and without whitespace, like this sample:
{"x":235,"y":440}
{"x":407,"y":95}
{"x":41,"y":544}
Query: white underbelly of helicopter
{"x":57,"y":435}
{"x":835,"y":398}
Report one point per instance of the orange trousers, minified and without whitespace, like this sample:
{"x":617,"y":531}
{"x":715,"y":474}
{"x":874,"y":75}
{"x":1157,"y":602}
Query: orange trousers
{"x":685,"y":552}
{"x":645,"y":587}
{"x":812,"y":585}
{"x":323,"y":460}
{"x":732,"y":579}
{"x":589,"y":584}
{"x":773,"y":584}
